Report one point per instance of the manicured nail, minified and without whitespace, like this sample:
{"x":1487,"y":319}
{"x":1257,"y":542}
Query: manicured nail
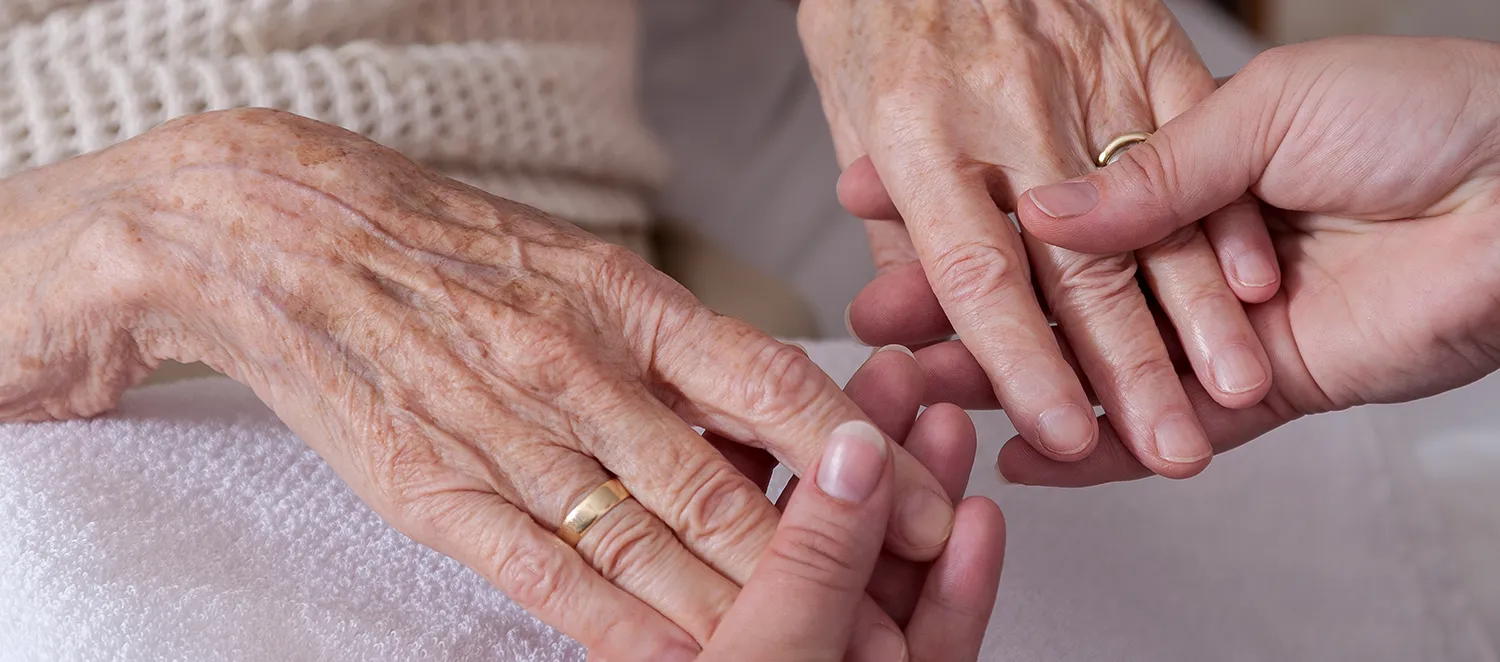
{"x":877,"y":643}
{"x":1179,"y":440}
{"x":1067,"y":429}
{"x":926,"y":520}
{"x":849,"y":324}
{"x":852,"y":462}
{"x":896,"y":348}
{"x":1237,"y":370}
{"x":1066,"y":199}
{"x":1254,"y":270}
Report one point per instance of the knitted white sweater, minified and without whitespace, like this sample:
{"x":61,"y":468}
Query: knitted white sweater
{"x":533,"y":100}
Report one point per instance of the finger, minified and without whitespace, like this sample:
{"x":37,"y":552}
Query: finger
{"x":978,"y":269}
{"x":945,"y":442}
{"x":1114,"y":462}
{"x":631,"y":547}
{"x":1103,"y":313}
{"x":862,"y":193}
{"x":890,"y":245}
{"x":954,"y":609}
{"x":729,"y":377}
{"x":1210,"y":320}
{"x":953,"y":375}
{"x":898,"y":307}
{"x":697,"y":494}
{"x":541,"y":574}
{"x":1101,"y":310}
{"x":888,"y":387}
{"x":1237,"y":232}
{"x":822,"y":553}
{"x":754,"y":463}
{"x":1243,"y":245}
{"x":1201,"y":162}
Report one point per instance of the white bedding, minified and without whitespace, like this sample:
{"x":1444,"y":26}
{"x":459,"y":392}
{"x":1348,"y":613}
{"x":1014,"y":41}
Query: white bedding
{"x":193,"y":525}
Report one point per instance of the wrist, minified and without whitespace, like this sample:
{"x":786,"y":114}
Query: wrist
{"x":78,"y":284}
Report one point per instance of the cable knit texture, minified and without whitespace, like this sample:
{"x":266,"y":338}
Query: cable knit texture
{"x":532,"y":100}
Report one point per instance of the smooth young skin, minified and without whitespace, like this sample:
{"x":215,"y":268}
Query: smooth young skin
{"x":471,"y":366}
{"x":960,"y":105}
{"x":798,"y":605}
{"x":1379,"y":162}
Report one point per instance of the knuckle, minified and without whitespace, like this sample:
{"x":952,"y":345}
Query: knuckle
{"x":816,"y":555}
{"x":530,"y":574}
{"x":1152,"y":168}
{"x":974,"y":272}
{"x":718,"y":503}
{"x":1141,"y":369}
{"x":1180,"y":240}
{"x":628,"y":545}
{"x":780,"y":383}
{"x":1089,"y":282}
{"x":400,"y":469}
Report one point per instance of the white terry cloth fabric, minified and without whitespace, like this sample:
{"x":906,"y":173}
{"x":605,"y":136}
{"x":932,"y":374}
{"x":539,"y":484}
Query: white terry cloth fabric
{"x":193,"y":525}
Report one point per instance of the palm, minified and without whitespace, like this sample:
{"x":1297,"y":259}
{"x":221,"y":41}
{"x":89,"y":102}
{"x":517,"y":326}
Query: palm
{"x":1363,"y":316}
{"x":1347,"y":311}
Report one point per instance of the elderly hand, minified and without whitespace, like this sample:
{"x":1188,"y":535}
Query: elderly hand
{"x":470,"y":366}
{"x":943,"y":607}
{"x":802,"y":603}
{"x":960,"y":106}
{"x":889,"y":388}
{"x":1381,"y":159}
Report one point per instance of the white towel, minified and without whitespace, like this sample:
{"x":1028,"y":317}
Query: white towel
{"x":192,"y":525}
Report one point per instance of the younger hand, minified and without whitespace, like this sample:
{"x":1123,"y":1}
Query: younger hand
{"x":1379,"y":160}
{"x":803,"y":600}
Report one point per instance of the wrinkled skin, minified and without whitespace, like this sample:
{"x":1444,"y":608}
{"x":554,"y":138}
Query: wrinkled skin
{"x":1379,"y":162}
{"x":800,"y":610}
{"x":962,"y":105}
{"x":469,"y":365}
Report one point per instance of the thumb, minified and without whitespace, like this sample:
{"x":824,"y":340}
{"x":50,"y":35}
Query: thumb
{"x":801,"y":601}
{"x":1198,"y":163}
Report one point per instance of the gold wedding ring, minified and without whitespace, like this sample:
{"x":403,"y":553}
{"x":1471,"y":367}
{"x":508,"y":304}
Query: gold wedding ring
{"x":593,"y":507}
{"x":1119,"y":146}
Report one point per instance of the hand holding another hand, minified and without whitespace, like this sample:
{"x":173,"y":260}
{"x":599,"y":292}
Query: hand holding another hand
{"x":1378,"y":160}
{"x":470,"y":366}
{"x":962,"y":106}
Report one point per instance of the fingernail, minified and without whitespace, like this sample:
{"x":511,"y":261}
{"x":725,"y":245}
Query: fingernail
{"x":1237,"y":370}
{"x":926,"y":520}
{"x":1066,"y":429}
{"x":1066,"y":199}
{"x":877,"y":643}
{"x":849,"y":324}
{"x":852,"y":462}
{"x":1179,"y":440}
{"x":896,"y":348}
{"x":1254,"y":270}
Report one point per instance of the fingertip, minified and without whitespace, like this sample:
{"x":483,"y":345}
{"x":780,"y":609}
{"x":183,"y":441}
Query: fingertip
{"x":1067,"y":432}
{"x":863,"y":195}
{"x":898,"y":306}
{"x":1063,"y":215}
{"x":1255,"y":294}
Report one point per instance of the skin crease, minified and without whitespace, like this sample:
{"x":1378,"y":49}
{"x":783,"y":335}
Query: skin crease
{"x":943,"y":607}
{"x":1379,"y":162}
{"x":471,"y":366}
{"x":960,"y":106}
